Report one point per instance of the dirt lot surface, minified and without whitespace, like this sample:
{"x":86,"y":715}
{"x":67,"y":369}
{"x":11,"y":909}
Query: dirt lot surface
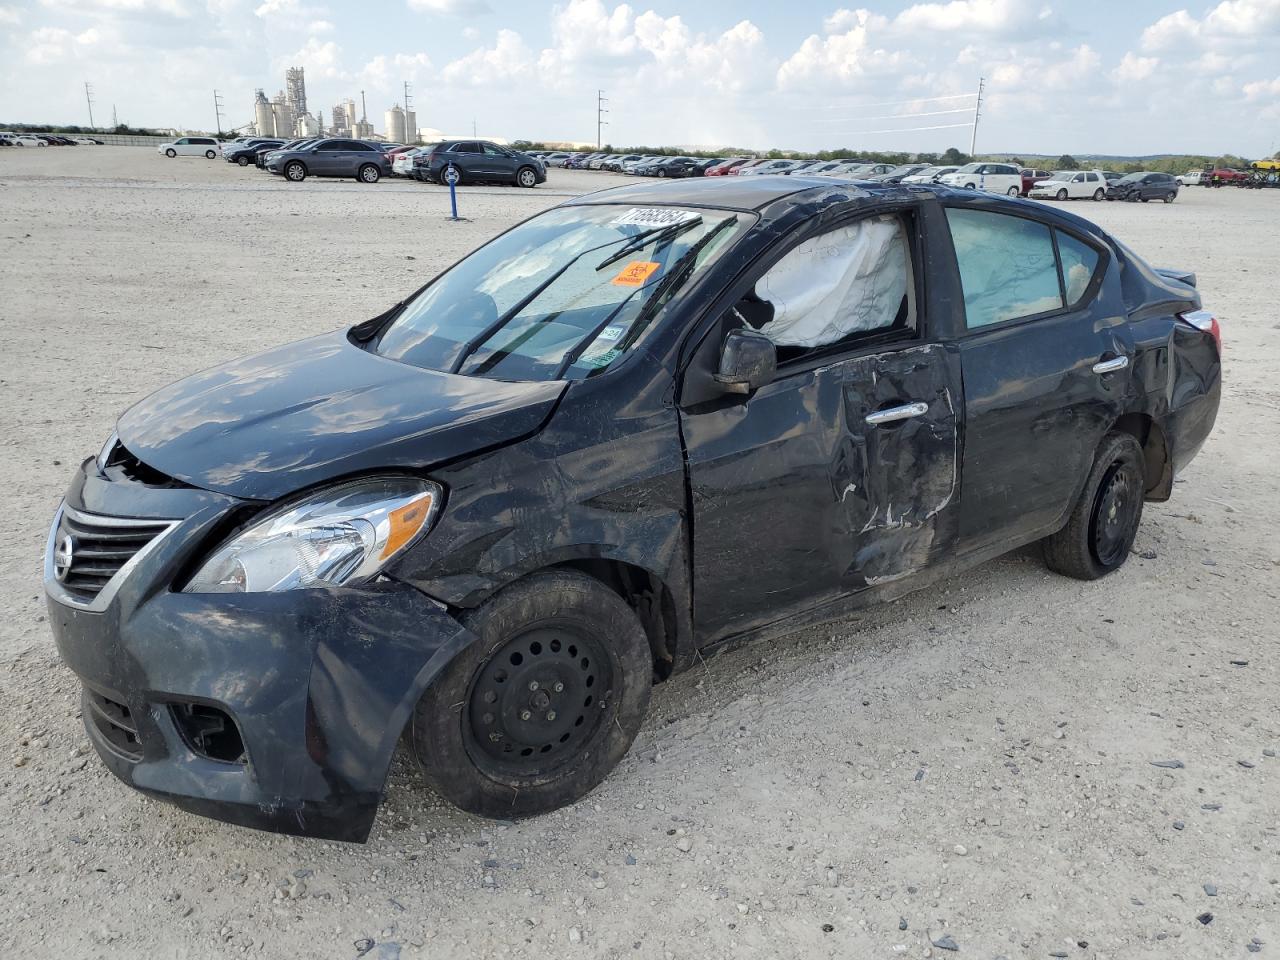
{"x":972,"y":765}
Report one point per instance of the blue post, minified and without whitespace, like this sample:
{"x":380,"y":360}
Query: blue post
{"x":451,"y":177}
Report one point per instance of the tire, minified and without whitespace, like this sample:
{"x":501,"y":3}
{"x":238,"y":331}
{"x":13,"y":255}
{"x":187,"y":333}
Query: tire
{"x":1102,"y":526}
{"x":1098,"y":194}
{"x":526,"y":177}
{"x":1168,"y":197}
{"x":294,"y":171}
{"x":210,"y":155}
{"x":557,"y":639}
{"x":1061,"y":194}
{"x":662,"y":174}
{"x":1145,"y":199}
{"x":171,"y":153}
{"x":1014,"y":192}
{"x":242,"y":161}
{"x":369,"y":173}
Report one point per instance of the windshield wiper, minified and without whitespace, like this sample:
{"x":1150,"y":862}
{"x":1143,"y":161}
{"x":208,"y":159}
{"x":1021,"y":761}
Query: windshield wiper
{"x":641,"y":239}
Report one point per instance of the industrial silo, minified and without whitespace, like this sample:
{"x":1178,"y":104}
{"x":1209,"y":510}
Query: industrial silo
{"x":263,"y":119}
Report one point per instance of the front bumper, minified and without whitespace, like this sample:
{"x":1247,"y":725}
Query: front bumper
{"x":319,"y":683}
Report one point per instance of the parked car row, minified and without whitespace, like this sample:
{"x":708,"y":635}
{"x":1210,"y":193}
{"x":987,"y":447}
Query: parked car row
{"x":10,"y":139}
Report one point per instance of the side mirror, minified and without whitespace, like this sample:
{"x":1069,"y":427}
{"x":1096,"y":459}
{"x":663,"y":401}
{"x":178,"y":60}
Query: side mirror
{"x":748,"y":361}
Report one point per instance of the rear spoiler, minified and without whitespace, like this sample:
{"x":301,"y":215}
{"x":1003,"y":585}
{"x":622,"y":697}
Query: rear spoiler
{"x":1182,"y":276}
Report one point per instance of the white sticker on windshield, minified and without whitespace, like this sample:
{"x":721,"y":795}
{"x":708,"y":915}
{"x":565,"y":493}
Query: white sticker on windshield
{"x":612,"y":333}
{"x":654,"y":216}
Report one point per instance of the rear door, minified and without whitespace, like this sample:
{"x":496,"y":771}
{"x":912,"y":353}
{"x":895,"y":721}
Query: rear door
{"x":840,"y":474}
{"x":1046,"y":369}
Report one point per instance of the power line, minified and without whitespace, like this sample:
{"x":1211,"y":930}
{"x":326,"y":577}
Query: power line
{"x":863,"y":133}
{"x":896,"y":116}
{"x":894,"y":103}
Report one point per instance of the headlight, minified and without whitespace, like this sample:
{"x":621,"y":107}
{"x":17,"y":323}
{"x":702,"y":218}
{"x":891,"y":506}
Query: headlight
{"x":345,"y":534}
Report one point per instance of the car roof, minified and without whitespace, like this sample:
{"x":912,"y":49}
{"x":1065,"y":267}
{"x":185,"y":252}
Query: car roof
{"x":730,"y":193}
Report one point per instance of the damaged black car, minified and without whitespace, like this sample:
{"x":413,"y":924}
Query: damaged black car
{"x":632,"y":429}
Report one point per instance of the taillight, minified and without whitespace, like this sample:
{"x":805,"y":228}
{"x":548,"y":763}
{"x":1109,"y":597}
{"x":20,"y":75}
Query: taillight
{"x":1206,"y":321}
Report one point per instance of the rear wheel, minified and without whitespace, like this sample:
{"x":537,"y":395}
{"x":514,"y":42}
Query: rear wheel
{"x":295,"y":171}
{"x":210,"y":154}
{"x":1168,"y":197}
{"x":1098,"y":194}
{"x":1014,"y":191}
{"x":526,"y":177}
{"x":543,"y":706}
{"x":1102,"y":526}
{"x":368,"y":173}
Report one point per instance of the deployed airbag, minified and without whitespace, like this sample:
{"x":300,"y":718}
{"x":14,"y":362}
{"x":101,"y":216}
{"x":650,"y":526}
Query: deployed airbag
{"x":848,"y":280}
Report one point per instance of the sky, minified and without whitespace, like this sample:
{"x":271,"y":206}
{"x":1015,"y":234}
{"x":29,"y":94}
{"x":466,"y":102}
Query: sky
{"x":1085,"y":76}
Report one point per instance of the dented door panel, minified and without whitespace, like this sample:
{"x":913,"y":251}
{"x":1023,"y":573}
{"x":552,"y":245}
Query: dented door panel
{"x":797,"y":500}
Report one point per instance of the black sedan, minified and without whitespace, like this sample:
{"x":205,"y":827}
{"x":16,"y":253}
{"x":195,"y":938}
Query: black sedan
{"x":335,"y":157}
{"x":244,"y":154}
{"x":636,"y":427}
{"x":1144,"y":187}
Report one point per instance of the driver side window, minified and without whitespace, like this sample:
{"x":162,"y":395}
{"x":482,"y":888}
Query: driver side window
{"x":848,"y":282}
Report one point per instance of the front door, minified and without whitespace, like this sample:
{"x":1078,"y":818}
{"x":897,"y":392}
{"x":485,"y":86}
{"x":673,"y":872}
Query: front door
{"x":841,"y":473}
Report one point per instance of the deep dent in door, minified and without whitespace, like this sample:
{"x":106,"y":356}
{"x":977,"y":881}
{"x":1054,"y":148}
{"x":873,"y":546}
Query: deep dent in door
{"x":895,"y":478}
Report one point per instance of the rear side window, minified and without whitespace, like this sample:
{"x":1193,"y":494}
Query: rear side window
{"x":1007,"y":266}
{"x":1079,"y":264}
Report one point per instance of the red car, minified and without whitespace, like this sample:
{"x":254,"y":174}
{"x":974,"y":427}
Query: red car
{"x":1031,"y":177}
{"x":1220,"y":175}
{"x":743,"y":166}
{"x":723,"y":168}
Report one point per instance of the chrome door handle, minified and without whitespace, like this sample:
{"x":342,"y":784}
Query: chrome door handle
{"x":893,"y":414}
{"x":1111,"y":366}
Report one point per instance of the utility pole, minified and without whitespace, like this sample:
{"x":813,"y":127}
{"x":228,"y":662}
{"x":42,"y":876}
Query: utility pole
{"x":600,"y":112}
{"x":977,"y":112}
{"x":407,"y":108}
{"x":88,"y":97}
{"x":114,"y":122}
{"x":217,"y":111}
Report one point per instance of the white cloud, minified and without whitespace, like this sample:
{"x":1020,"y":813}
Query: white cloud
{"x":507,"y":59}
{"x":10,"y":16}
{"x":387,"y":73}
{"x":175,"y":8}
{"x":972,"y":16}
{"x":1262,"y":89}
{"x":320,"y":58}
{"x":847,"y":54}
{"x":1133,"y":68}
{"x":320,"y":26}
{"x":51,"y":45}
{"x":457,"y":8}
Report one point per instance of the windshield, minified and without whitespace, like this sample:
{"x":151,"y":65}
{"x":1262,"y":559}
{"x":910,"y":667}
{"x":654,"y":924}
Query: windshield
{"x":561,"y":296}
{"x":1132,"y":178}
{"x":1063,"y":174}
{"x":969,"y":168}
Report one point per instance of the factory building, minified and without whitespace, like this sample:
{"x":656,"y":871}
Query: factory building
{"x":295,"y":85}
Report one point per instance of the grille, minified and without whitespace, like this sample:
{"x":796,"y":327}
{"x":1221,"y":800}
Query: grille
{"x":115,"y":722}
{"x":99,"y":548}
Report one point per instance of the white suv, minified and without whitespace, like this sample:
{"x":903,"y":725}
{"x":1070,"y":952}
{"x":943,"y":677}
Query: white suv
{"x":992,"y":177}
{"x":191,"y":147}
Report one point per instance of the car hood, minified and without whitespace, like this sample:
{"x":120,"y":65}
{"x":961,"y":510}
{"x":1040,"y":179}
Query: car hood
{"x":267,"y":425}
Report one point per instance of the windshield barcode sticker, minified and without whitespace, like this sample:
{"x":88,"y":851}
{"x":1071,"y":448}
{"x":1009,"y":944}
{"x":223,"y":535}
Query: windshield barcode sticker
{"x":654,"y":216}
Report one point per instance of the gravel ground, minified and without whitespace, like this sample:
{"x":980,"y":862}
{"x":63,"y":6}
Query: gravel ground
{"x":972,"y":767}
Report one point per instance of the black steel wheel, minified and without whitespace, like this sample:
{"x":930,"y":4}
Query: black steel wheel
{"x":1104,"y":522}
{"x":543,"y":705}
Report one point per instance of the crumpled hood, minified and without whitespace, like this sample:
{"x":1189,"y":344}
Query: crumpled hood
{"x":264,"y":426}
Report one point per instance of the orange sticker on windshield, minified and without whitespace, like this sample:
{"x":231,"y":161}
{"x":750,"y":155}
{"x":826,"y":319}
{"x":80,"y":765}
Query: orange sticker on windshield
{"x":635,"y":273}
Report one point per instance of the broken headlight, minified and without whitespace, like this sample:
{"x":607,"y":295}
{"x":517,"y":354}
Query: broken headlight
{"x":342,"y":535}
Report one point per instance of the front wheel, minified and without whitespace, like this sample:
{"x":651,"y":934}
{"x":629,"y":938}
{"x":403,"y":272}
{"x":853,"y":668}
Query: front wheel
{"x":1061,"y":195}
{"x":1102,"y":526}
{"x":1098,"y":194}
{"x":170,"y":153}
{"x":368,"y":174}
{"x":243,"y":161}
{"x":526,"y":177}
{"x":662,"y":174}
{"x":546,"y":702}
{"x":295,"y":171}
